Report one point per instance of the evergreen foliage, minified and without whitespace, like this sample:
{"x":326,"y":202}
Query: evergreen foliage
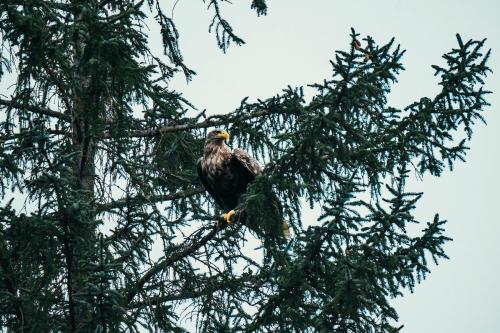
{"x":104,"y":155}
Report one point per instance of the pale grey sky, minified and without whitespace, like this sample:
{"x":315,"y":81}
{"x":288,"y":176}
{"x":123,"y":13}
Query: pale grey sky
{"x":292,"y":45}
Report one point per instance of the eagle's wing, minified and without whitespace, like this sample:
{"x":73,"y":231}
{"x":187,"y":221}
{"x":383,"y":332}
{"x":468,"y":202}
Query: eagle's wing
{"x":249,"y":164}
{"x":207,"y":185}
{"x":251,"y":169}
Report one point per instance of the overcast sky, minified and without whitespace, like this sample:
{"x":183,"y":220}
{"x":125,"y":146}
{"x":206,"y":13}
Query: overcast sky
{"x":292,"y":46}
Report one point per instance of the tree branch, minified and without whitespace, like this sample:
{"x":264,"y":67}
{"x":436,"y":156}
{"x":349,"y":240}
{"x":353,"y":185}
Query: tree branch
{"x":208,"y":288}
{"x":224,"y":38}
{"x":209,"y":122}
{"x":152,"y":199}
{"x":192,"y":244}
{"x":15,"y":136}
{"x":9,"y":280}
{"x":35,"y":109}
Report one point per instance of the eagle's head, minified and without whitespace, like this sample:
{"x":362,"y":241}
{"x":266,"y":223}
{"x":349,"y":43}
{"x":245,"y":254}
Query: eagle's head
{"x":216,"y":137}
{"x":215,"y":151}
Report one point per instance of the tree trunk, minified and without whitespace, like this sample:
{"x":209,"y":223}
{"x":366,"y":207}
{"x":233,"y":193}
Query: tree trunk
{"x":81,"y":221}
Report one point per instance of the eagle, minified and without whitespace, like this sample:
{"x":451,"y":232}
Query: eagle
{"x":226,"y":174}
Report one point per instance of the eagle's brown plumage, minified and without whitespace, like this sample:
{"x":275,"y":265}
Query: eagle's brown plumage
{"x":225,"y":174}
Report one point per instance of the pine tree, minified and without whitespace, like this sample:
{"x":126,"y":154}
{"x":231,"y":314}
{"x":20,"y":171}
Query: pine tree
{"x":103,"y":155}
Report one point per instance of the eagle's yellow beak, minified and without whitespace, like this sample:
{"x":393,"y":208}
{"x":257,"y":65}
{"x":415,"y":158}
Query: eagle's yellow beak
{"x":223,"y":135}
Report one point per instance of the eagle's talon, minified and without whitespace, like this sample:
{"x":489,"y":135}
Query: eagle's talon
{"x":227,"y":217}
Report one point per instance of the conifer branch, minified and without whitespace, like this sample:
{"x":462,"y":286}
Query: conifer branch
{"x":141,"y":199}
{"x":59,"y":84}
{"x":178,"y":252}
{"x":8,"y":279}
{"x":35,"y":109}
{"x":209,"y":287}
{"x":15,"y":136}
{"x":215,"y":120}
{"x":227,"y":35}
